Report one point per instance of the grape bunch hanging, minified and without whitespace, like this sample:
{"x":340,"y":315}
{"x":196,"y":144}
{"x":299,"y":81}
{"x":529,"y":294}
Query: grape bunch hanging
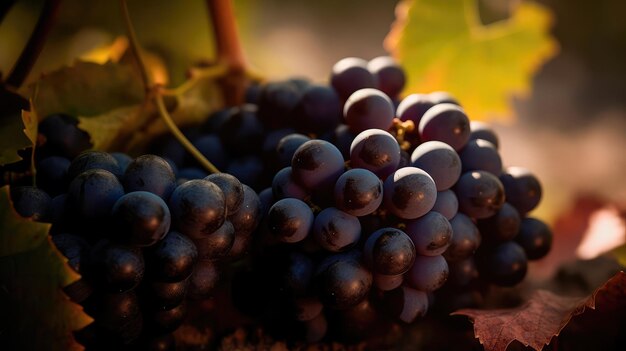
{"x":342,"y":212}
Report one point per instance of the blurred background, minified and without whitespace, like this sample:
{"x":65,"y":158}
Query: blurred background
{"x":570,"y":131}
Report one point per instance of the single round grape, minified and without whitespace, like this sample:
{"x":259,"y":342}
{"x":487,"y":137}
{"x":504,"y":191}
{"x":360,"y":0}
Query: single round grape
{"x":445,"y":122}
{"x":385,"y":282}
{"x":503,"y":226}
{"x":335,"y":230}
{"x":349,"y":75}
{"x":150,"y":173}
{"x":406,"y":303}
{"x":62,"y":137}
{"x":165,"y":295}
{"x":431,"y":234}
{"x":120,"y":316}
{"x":317,"y":164}
{"x":277,"y":101}
{"x":522,"y":189}
{"x":89,"y":160}
{"x":413,"y":107}
{"x":482,"y":130}
{"x":428,"y":273}
{"x":287,"y":146}
{"x":375,"y":150}
{"x":389,"y":74}
{"x":141,"y":218}
{"x":203,"y":280}
{"x":481,"y":155}
{"x":318,"y":110}
{"x":284,"y":185}
{"x":440,"y":161}
{"x":409,"y":193}
{"x":535,"y":237}
{"x":198,"y":208}
{"x":52,"y":174}
{"x":465,"y":239}
{"x":504,"y":264}
{"x":118,"y":268}
{"x":248,"y":217}
{"x":231,"y":188}
{"x":368,"y":109}
{"x":290,"y":220}
{"x":93,"y":193}
{"x":389,"y":251}
{"x":123,"y":160}
{"x":480,"y":194}
{"x":166,"y":321}
{"x":270,"y":143}
{"x":217,"y":244}
{"x":462,"y":273}
{"x":447,"y":204}
{"x":172,"y":259}
{"x":343,"y":283}
{"x":31,"y":202}
{"x":307,"y":308}
{"x":358,"y":192}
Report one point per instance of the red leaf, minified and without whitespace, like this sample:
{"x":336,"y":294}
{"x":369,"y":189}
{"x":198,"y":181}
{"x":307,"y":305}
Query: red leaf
{"x":545,"y":315}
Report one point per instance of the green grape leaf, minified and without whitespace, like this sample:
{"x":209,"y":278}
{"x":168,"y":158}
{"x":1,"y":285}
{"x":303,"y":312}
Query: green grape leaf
{"x":128,"y":128}
{"x":443,"y":46}
{"x":86,"y":89}
{"x":12,"y":137}
{"x":36,"y":313}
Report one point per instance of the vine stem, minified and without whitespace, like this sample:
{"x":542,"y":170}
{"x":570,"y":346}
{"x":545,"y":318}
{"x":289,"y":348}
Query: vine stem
{"x":156,"y":92}
{"x":35,"y":44}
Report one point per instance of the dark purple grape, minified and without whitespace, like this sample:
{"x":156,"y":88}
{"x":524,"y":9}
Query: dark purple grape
{"x":198,"y":208}
{"x":406,"y":303}
{"x":277,"y":101}
{"x":290,"y":220}
{"x":119,"y":316}
{"x":242,"y":132}
{"x":385,"y":282}
{"x":150,"y":173}
{"x":166,"y":321}
{"x":270,"y":143}
{"x":317,"y":164}
{"x":247,"y":169}
{"x":248,"y":217}
{"x":504,"y":264}
{"x":286,"y":273}
{"x":481,"y":155}
{"x":31,"y":202}
{"x":335,"y":230}
{"x":89,"y":160}
{"x":368,"y":109}
{"x":351,"y":74}
{"x":440,"y":161}
{"x":465,"y":239}
{"x":284,"y":185}
{"x":52,"y":175}
{"x":409,"y":193}
{"x":203,"y":280}
{"x":375,"y":150}
{"x":342,"y":281}
{"x":445,"y":122}
{"x":428,"y":273}
{"x":62,"y":137}
{"x":93,"y":193}
{"x":522,"y":189}
{"x":140,"y":218}
{"x":319,"y":109}
{"x":535,"y":237}
{"x":389,"y":251}
{"x":413,"y":107}
{"x":462,"y":273}
{"x":482,"y":130}
{"x":480,"y":194}
{"x":503,"y":226}
{"x":342,"y":138}
{"x":231,"y":188}
{"x":356,"y":323}
{"x":389,"y":74}
{"x":307,"y":308}
{"x":172,"y":259}
{"x":431,"y":234}
{"x":217,"y":244}
{"x":447,"y":204}
{"x":358,"y":192}
{"x":123,"y":160}
{"x":211,"y":147}
{"x":266,"y":197}
{"x":164,"y":295}
{"x":117,"y":268}
{"x":287,"y":146}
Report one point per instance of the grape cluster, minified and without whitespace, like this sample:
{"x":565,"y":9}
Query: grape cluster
{"x":145,"y":241}
{"x":371,"y":211}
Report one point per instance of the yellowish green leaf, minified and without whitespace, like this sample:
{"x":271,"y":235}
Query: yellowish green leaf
{"x":86,"y":89}
{"x":443,"y":46}
{"x":36,"y":314}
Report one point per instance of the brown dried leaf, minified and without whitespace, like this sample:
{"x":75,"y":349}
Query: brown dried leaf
{"x":543,"y":316}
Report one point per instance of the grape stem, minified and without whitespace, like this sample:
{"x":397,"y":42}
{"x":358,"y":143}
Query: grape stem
{"x":35,"y":44}
{"x":155,"y":91}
